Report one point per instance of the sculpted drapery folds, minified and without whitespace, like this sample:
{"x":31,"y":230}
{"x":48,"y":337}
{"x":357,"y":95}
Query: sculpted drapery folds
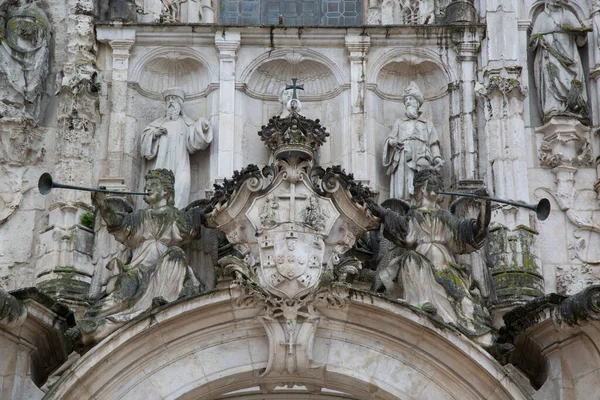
{"x":158,"y":270}
{"x":168,"y":141}
{"x":427,"y":275}
{"x":412,"y":145}
{"x":558,"y":70}
{"x":24,"y":57}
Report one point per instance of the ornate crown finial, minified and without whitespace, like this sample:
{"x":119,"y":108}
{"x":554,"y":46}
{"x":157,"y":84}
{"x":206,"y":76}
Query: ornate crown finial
{"x":294,"y":135}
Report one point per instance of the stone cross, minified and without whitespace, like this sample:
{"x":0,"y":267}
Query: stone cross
{"x":294,"y":87}
{"x":292,"y":196}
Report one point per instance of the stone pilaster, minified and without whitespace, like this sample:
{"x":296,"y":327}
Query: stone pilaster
{"x":464,"y":151}
{"x":504,"y":133}
{"x":228,"y":43}
{"x":120,"y":156}
{"x":594,"y":45}
{"x":358,"y":46}
{"x":512,"y":249}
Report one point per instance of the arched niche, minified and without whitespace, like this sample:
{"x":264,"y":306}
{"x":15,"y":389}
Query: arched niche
{"x":581,"y":10}
{"x":156,"y":69}
{"x":207,"y":347}
{"x":389,"y":76}
{"x":165,"y":68}
{"x":325,"y":96}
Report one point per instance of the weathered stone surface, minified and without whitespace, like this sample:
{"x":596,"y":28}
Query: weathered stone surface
{"x":348,"y":355}
{"x":109,"y":78}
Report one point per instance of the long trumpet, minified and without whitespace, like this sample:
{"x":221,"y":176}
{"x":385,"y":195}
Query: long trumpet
{"x":542,"y":208}
{"x":46,"y":184}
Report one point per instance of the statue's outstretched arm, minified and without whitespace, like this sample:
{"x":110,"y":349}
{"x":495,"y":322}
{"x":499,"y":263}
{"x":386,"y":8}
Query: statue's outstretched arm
{"x":113,"y":210}
{"x":483,"y":221}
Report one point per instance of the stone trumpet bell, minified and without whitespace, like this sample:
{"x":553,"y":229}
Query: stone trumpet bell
{"x":46,"y":184}
{"x":542,"y":208}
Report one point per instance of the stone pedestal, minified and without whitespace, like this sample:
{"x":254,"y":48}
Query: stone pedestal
{"x":515,"y":268}
{"x":64,"y":268}
{"x":565,"y":142}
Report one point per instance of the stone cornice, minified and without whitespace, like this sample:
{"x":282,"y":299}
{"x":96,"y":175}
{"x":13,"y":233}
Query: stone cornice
{"x":204,"y":34}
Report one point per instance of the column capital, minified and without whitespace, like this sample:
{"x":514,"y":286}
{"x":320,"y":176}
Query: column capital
{"x":106,"y":34}
{"x":523,"y":24}
{"x":358,"y":45}
{"x":121,"y":46}
{"x":228,"y":43}
{"x":467,"y":43}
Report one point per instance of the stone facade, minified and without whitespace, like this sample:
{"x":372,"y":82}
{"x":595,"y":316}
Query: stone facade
{"x":514,"y":109}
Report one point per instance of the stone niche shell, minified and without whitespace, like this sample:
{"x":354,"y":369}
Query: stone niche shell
{"x":396,"y":75}
{"x":173,"y":69}
{"x":268,"y":80}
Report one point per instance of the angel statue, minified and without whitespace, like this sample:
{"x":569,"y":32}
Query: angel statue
{"x":427,"y":275}
{"x":159,"y":271}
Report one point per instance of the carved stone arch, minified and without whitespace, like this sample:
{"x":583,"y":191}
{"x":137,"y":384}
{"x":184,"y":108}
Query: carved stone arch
{"x":268,"y":73}
{"x":582,"y":9}
{"x":392,"y":72}
{"x":209,"y":346}
{"x":166,"y":67}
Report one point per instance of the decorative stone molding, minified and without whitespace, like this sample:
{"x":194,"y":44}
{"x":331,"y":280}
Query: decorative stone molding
{"x":565,"y":143}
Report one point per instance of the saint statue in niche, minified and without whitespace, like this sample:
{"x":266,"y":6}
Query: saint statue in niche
{"x":427,"y":275}
{"x":158,"y":271}
{"x":412,"y":145}
{"x":24,"y":58}
{"x":558,"y":71}
{"x":168,"y":141}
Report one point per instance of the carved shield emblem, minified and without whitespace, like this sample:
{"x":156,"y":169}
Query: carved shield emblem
{"x":291,"y":222}
{"x":298,"y":262}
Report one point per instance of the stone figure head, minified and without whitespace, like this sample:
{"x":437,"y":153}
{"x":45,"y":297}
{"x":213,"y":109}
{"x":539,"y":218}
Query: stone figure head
{"x":555,"y":4}
{"x":427,"y":183}
{"x":285,"y":96}
{"x":160,"y":184}
{"x":174,"y":98}
{"x":413,"y":100}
